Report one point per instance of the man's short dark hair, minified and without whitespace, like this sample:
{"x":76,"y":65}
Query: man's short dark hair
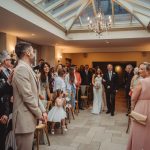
{"x":21,"y":47}
{"x":41,"y":59}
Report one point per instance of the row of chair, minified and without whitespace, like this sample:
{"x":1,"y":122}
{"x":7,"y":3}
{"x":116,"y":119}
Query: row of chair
{"x":44,"y":127}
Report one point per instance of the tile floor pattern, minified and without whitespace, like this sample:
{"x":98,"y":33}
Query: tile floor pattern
{"x":93,"y":132}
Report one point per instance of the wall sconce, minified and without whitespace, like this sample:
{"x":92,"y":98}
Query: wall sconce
{"x":12,"y":54}
{"x":59,"y":58}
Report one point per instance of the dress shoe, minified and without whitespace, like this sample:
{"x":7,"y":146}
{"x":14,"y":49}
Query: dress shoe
{"x":127,"y":114}
{"x":107,"y":112}
{"x":112,"y":114}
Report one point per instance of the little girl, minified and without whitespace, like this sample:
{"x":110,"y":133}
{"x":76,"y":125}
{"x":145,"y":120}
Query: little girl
{"x":57,"y":113}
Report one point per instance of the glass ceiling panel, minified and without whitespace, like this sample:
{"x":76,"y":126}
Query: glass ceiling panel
{"x":105,"y":6}
{"x":64,"y":10}
{"x":45,"y":3}
{"x":63,"y":6}
{"x":121,"y":15}
{"x":87,"y":12}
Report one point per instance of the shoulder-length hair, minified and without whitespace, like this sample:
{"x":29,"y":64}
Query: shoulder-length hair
{"x":43,"y":76}
{"x":96,"y":74}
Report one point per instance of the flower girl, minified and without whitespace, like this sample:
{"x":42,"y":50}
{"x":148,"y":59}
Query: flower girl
{"x":57,"y":113}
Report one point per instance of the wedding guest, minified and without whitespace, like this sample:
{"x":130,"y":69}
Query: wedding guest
{"x":26,"y":108}
{"x":59,"y":81}
{"x":128,"y":77}
{"x":45,"y":83}
{"x":141,"y":98}
{"x":86,"y":76}
{"x":57,"y":113}
{"x":58,"y":67}
{"x":38,"y":67}
{"x":135,"y":78}
{"x":78,"y":83}
{"x":5,"y":95}
{"x":70,"y":85}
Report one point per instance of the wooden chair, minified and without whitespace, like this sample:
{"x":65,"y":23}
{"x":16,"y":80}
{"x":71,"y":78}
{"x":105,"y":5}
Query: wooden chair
{"x":39,"y":128}
{"x":128,"y":126}
{"x":85,"y":95}
{"x":49,"y":103}
{"x":77,"y":102}
{"x":69,"y":110}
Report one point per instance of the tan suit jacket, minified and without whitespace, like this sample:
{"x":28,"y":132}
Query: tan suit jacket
{"x":26,"y":108}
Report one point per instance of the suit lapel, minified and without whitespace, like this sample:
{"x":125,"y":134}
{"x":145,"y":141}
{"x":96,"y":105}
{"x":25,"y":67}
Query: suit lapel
{"x":108,"y":76}
{"x":32,"y":72}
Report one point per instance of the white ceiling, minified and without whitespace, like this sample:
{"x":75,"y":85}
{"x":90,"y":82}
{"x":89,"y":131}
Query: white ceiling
{"x":15,"y":25}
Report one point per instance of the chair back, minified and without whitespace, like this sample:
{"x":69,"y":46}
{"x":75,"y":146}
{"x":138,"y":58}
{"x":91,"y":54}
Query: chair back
{"x":84,"y":90}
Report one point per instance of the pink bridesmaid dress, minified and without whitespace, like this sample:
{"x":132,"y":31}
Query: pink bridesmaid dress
{"x":139,"y":138}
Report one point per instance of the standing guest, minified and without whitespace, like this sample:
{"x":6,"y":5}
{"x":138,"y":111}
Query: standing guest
{"x":59,"y":82}
{"x":52,"y":70}
{"x":27,"y":107}
{"x":86,"y":84}
{"x":86,"y":76}
{"x":77,"y":77}
{"x":57,"y":68}
{"x":78,"y":83}
{"x":111,"y":87}
{"x":38,"y":67}
{"x":70,"y":85}
{"x":141,"y":98}
{"x":135,"y":78}
{"x":5,"y":95}
{"x":45,"y":83}
{"x":128,"y":77}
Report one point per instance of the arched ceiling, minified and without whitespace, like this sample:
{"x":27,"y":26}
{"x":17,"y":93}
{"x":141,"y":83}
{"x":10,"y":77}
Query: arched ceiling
{"x":72,"y":14}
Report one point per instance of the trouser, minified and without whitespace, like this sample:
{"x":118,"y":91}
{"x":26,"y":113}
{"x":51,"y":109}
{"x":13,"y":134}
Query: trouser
{"x":2,"y":136}
{"x":128,"y":99}
{"x":79,"y":99}
{"x":24,"y":141}
{"x":110,"y":99}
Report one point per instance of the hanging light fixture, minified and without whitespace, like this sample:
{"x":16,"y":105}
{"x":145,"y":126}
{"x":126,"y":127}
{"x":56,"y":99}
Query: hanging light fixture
{"x":100,"y":23}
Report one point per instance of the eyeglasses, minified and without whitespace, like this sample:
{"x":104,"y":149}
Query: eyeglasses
{"x":8,"y":59}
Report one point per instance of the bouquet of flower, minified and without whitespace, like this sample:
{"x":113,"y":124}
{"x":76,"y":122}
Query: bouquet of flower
{"x":97,"y":85}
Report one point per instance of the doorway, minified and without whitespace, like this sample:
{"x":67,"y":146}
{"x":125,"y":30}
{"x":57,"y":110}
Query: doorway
{"x":119,"y":67}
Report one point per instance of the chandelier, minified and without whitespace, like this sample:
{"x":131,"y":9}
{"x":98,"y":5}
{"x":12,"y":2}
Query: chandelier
{"x":100,"y":23}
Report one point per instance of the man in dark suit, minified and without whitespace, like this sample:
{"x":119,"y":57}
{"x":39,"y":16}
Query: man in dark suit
{"x":86,"y":76}
{"x":111,"y":87}
{"x":5,"y":95}
{"x":127,"y":79}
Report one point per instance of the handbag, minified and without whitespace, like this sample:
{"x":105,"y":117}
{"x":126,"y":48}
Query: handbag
{"x":138,"y":117}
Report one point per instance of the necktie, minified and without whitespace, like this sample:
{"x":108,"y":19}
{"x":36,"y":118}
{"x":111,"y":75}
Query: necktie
{"x":110,"y":74}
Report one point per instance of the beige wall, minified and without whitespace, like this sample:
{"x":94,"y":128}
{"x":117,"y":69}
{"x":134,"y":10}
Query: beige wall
{"x":88,"y":58}
{"x":2,"y":41}
{"x":7,"y":42}
{"x":48,"y":54}
{"x":10,"y":43}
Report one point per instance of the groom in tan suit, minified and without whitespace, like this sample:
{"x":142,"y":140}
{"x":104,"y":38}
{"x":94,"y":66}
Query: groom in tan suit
{"x":27,"y":108}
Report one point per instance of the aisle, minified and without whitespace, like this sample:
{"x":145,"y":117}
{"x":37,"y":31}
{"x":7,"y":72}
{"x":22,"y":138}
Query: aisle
{"x":92,"y":132}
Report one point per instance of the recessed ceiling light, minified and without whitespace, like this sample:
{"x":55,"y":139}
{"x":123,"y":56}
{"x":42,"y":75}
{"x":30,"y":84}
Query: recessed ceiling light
{"x":107,"y":42}
{"x":33,"y":34}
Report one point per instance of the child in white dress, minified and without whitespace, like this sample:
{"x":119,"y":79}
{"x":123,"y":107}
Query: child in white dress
{"x":57,"y":113}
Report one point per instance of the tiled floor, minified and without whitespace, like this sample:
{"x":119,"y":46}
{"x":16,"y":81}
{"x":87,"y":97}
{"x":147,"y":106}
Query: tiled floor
{"x":94,"y":132}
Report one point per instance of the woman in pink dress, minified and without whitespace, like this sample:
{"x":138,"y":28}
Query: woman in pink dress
{"x":139,"y":138}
